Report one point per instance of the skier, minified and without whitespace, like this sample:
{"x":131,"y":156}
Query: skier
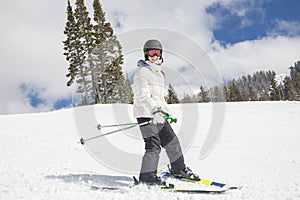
{"x":149,"y":104}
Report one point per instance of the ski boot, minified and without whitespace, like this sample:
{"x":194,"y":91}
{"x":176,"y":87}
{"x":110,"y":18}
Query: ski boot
{"x":186,"y":173}
{"x":153,"y":180}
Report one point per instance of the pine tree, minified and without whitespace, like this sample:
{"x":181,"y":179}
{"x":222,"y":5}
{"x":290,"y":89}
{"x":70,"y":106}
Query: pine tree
{"x":274,"y":90}
{"x":94,"y":55}
{"x":217,"y":95}
{"x":252,"y":93}
{"x":295,"y":79}
{"x":297,"y":66}
{"x":203,"y":95}
{"x":264,"y":96}
{"x":226,"y":93}
{"x":128,"y":91}
{"x":107,"y":57}
{"x":84,"y":26}
{"x":112,"y":83}
{"x":99,"y":54}
{"x":297,"y":85}
{"x":234,"y":92}
{"x":72,"y":49}
{"x":172,"y":97}
{"x":122,"y":92}
{"x":289,"y":89}
{"x":187,"y":99}
{"x":244,"y":95}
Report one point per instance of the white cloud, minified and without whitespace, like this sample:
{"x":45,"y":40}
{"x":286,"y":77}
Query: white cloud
{"x":188,"y":18}
{"x":283,"y":27}
{"x":269,"y":53}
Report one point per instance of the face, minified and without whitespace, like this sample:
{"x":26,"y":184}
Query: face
{"x":154,"y":55}
{"x":153,"y":59}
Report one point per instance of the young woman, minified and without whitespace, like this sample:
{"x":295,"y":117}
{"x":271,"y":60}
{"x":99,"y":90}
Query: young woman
{"x":149,"y":104}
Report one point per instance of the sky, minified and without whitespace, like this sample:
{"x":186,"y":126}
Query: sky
{"x":239,"y":36}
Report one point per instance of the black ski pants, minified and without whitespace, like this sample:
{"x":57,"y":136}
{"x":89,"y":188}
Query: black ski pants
{"x":157,"y":136}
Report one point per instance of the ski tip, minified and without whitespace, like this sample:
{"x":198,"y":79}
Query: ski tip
{"x":235,"y":187}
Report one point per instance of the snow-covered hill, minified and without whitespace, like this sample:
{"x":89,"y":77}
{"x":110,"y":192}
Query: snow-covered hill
{"x":259,"y":149}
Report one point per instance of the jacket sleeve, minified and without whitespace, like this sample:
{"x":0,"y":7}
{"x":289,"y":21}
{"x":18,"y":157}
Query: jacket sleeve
{"x":142,"y":89}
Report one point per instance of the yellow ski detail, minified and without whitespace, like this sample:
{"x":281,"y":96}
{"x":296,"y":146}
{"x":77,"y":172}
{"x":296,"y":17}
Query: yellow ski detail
{"x":205,"y":182}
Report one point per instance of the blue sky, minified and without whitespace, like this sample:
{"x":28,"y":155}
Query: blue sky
{"x":240,"y":36}
{"x":256,"y":22}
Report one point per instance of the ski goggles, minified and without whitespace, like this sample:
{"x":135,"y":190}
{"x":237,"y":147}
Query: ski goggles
{"x":153,"y":52}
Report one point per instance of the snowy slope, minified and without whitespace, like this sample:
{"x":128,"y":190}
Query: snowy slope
{"x":259,"y":149}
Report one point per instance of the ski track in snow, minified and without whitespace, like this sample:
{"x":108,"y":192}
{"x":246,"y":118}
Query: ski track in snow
{"x":259,"y":149}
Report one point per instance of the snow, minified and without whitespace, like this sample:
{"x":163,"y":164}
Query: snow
{"x":279,"y":78}
{"x":258,"y":149}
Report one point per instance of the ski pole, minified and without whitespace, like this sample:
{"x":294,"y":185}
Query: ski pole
{"x":82,"y":140}
{"x":167,"y":116}
{"x":99,"y":127}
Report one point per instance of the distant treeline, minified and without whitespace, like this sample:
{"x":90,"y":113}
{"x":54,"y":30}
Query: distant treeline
{"x":260,"y":86}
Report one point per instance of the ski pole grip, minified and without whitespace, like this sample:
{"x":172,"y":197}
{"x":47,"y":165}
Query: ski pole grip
{"x":167,"y":116}
{"x":173,"y":120}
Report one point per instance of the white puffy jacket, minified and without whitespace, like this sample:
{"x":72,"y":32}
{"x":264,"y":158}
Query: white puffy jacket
{"x":148,"y":89}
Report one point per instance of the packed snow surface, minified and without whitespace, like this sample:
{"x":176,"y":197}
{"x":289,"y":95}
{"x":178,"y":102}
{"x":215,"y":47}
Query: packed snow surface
{"x":259,"y":149}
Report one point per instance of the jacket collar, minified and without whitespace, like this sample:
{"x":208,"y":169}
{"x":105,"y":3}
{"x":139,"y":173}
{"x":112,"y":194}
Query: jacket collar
{"x":152,"y":66}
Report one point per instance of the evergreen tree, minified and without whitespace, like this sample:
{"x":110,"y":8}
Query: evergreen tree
{"x":128,"y":91}
{"x":107,"y":56}
{"x":289,"y":89}
{"x":172,"y":97}
{"x":297,"y":66}
{"x":264,"y":96}
{"x":244,"y":96}
{"x":203,"y":95}
{"x":297,"y":85}
{"x":274,"y":90}
{"x":84,"y":26}
{"x":217,"y":95}
{"x":295,"y":80}
{"x":94,"y":55}
{"x":187,"y":99}
{"x":292,"y":72}
{"x":234,"y":92}
{"x":226,"y":93}
{"x":72,"y":48}
{"x":122,"y":92}
{"x":252,"y":93}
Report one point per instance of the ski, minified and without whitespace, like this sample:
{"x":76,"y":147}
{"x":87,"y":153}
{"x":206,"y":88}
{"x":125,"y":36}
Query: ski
{"x":135,"y":183}
{"x":196,"y":191}
{"x":96,"y":187}
{"x":168,"y":187}
{"x":167,"y":175}
{"x":162,"y":188}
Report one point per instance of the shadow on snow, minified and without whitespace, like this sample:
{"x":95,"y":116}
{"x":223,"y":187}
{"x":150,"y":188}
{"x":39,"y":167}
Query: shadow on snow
{"x":106,"y":180}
